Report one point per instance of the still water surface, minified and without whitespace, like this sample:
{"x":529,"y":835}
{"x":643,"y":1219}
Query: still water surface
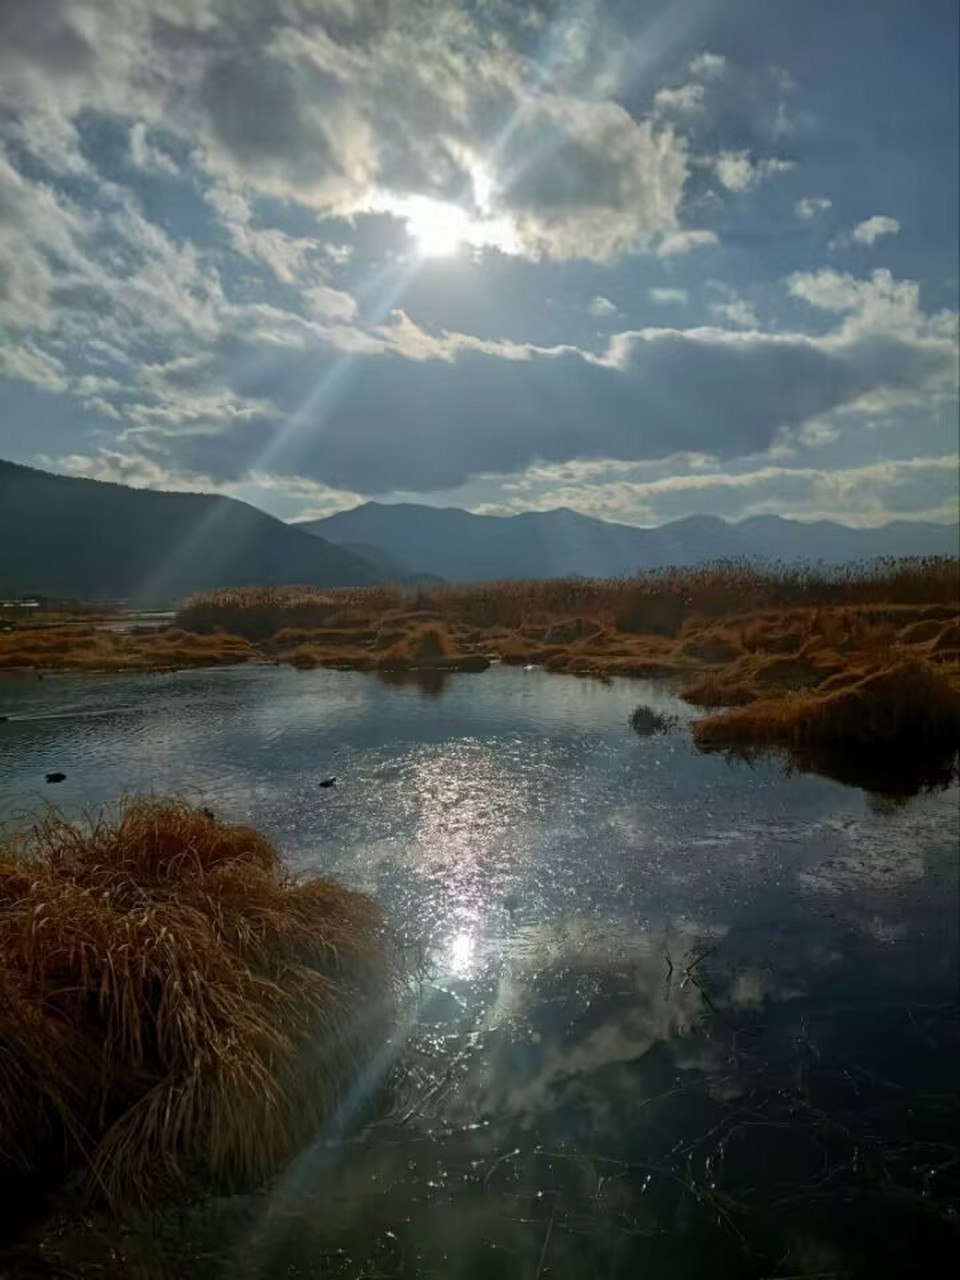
{"x":681,"y":1017}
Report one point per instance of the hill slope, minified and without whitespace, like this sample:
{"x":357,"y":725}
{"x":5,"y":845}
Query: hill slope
{"x":460,"y":546}
{"x":76,"y":538}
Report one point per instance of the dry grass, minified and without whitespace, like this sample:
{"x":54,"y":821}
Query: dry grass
{"x":175,"y":1009}
{"x":734,"y":635}
{"x":85,"y":648}
{"x":676,"y":621}
{"x":908,"y":705}
{"x":656,"y":603}
{"x":423,"y":646}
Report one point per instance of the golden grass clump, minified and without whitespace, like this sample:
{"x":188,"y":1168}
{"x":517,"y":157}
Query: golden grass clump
{"x":907,"y":705}
{"x":714,"y":692}
{"x":429,"y":646}
{"x":88,"y":649}
{"x":176,"y":1010}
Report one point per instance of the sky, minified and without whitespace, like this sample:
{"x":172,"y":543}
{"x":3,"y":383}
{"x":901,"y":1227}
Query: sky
{"x":640,"y":259}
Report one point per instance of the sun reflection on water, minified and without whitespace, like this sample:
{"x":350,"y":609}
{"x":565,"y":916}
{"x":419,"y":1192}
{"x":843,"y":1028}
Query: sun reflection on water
{"x":460,"y":957}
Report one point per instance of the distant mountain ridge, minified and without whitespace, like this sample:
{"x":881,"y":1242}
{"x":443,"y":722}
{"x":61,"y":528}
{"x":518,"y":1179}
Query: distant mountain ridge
{"x":460,"y":546}
{"x":70,"y":537}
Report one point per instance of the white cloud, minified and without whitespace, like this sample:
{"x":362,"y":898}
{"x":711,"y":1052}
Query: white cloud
{"x":810,"y":207}
{"x":871,"y":229}
{"x":728,"y":306}
{"x":877,"y":301}
{"x":737,"y":172}
{"x":737,"y":312}
{"x":600,"y":306}
{"x":676,"y":242}
{"x":145,"y":155}
{"x":30,"y":365}
{"x":709,"y":66}
{"x":865,"y":495}
{"x":667,"y":297}
{"x":684,"y":99}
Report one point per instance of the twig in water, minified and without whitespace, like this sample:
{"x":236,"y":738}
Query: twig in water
{"x":546,"y":1244}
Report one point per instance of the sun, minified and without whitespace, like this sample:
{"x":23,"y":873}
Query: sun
{"x":437,"y":228}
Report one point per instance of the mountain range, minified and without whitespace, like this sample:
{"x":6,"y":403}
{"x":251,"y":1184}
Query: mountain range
{"x":460,"y":546}
{"x":72,"y":537}
{"x":69,"y":537}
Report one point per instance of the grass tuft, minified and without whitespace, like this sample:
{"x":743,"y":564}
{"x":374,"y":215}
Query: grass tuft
{"x":176,"y":1011}
{"x":646,"y":722}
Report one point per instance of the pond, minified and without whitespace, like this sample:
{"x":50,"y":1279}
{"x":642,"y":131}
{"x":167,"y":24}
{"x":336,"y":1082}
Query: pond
{"x":680,"y":1017}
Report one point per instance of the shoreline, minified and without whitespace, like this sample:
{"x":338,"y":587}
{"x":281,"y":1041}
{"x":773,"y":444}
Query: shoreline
{"x":800,"y":660}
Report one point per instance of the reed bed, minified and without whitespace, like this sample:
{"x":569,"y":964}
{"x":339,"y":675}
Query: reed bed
{"x":652,"y":603}
{"x":177,"y":1012}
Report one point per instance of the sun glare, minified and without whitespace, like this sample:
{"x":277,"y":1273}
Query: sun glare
{"x":438,"y":229}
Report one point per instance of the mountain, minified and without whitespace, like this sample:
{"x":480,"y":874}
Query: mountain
{"x":460,"y":546}
{"x":384,"y":565}
{"x":84,"y":539}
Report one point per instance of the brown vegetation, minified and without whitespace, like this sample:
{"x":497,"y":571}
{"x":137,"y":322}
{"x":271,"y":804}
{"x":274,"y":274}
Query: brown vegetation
{"x":731,"y":635}
{"x":176,"y":1010}
{"x":909,"y":705}
{"x":652,"y":604}
{"x":85,"y":648}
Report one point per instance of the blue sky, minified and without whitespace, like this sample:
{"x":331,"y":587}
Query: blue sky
{"x":639,"y":259}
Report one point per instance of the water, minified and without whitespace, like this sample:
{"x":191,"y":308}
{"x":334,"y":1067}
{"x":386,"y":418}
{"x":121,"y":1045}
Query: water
{"x":681,"y":1017}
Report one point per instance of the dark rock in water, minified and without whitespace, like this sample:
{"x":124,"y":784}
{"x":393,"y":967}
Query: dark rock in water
{"x":328,"y":782}
{"x":55,"y":777}
{"x":4,"y":719}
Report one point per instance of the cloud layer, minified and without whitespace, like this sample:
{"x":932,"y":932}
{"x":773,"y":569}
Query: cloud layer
{"x":216,"y":222}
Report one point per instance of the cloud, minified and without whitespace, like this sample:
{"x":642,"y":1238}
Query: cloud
{"x":736,"y":311}
{"x":677,"y":242}
{"x":202,"y":213}
{"x":585,"y":180}
{"x":600,"y":306}
{"x":810,"y":207}
{"x":727,"y":305}
{"x":345,"y":108}
{"x":869,"y":494}
{"x":867,"y":232}
{"x":708,"y":66}
{"x":31,"y":365}
{"x":878,"y":302}
{"x":145,"y":155}
{"x":474,"y":407}
{"x":355,"y":108}
{"x":737,"y":172}
{"x":871,"y":229}
{"x":684,"y":99}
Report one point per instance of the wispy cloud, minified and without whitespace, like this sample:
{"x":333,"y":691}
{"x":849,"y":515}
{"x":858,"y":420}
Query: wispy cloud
{"x":810,"y":207}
